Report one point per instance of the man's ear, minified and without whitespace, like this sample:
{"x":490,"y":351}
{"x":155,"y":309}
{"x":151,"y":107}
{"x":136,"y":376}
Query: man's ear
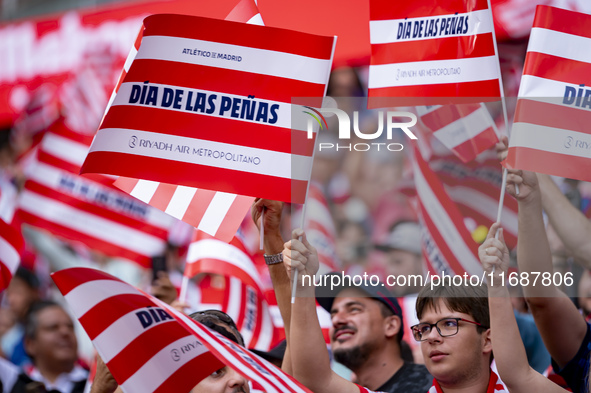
{"x":392,"y":325}
{"x":486,"y":342}
{"x":30,"y":347}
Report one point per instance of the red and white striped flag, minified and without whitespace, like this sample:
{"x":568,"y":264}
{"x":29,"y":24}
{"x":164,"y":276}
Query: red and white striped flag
{"x":466,"y":129}
{"x":447,"y":245}
{"x":159,"y":125}
{"x":150,"y":347}
{"x":242,"y":295}
{"x":78,"y":209}
{"x":218,"y":214}
{"x":550,"y":132}
{"x":428,"y":51}
{"x":11,"y":240}
{"x":475,"y":188}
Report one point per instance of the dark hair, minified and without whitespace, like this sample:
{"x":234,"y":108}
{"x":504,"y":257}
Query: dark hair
{"x":28,"y":277}
{"x":32,"y":320}
{"x":216,"y":320}
{"x":467,"y":299}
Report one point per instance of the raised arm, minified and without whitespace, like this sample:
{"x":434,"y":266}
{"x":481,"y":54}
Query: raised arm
{"x":573,"y":228}
{"x":273,"y":244}
{"x":309,"y":356}
{"x":508,"y":348}
{"x":561,"y":326}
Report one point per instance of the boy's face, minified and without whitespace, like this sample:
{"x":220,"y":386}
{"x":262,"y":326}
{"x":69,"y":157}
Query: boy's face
{"x":457,"y":359}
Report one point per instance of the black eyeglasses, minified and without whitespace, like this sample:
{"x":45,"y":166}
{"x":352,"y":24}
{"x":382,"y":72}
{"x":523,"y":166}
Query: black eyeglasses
{"x":223,"y":317}
{"x":445,"y":327}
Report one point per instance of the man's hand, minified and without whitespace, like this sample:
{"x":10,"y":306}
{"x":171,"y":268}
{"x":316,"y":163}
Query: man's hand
{"x":300,"y":255}
{"x":526,"y":181}
{"x":163,"y":289}
{"x":272,"y":217}
{"x":103,"y":379}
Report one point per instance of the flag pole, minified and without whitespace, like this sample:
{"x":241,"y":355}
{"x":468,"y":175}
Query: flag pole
{"x":506,"y":119}
{"x":295,"y":273}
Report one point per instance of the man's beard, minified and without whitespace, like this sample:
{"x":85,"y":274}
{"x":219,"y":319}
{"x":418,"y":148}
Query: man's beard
{"x":354,"y":358}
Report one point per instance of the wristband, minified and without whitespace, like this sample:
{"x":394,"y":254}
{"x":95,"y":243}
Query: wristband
{"x":273,"y":259}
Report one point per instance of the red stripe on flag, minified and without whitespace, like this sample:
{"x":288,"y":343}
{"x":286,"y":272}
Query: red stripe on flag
{"x":245,"y":183}
{"x":162,"y":196}
{"x":223,"y":80}
{"x":545,"y":66}
{"x":66,"y":280}
{"x":56,"y":162}
{"x":191,"y":371}
{"x":562,"y":20}
{"x":227,"y":229}
{"x":443,"y":93}
{"x":12,"y":235}
{"x":445,"y":115}
{"x":386,"y":9}
{"x":150,"y":342}
{"x":198,"y":206}
{"x":552,"y":115}
{"x":110,"y":310}
{"x":470,"y":149}
{"x":235,"y":131}
{"x":243,"y":11}
{"x":434,"y":49}
{"x":252,"y":36}
{"x":5,"y":276}
{"x":126,"y":184}
{"x":556,"y":164}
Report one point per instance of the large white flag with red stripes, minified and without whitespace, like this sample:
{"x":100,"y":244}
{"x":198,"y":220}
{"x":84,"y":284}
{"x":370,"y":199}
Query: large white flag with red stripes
{"x":447,"y":245}
{"x":429,"y":49}
{"x":218,"y":214}
{"x":475,"y":188}
{"x":551,"y":128}
{"x":242,"y":295}
{"x":215,"y":75}
{"x":150,"y":347}
{"x":79,"y":209}
{"x":466,"y":129}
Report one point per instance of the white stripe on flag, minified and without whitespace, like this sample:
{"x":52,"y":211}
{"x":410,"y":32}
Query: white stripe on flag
{"x":386,"y":31}
{"x":90,"y":224}
{"x":264,"y":162}
{"x":435,"y":72}
{"x":551,"y":140}
{"x":464,"y":129}
{"x":256,"y":20}
{"x":144,"y":190}
{"x":447,"y":229}
{"x":146,"y":380}
{"x":217,"y":249}
{"x":8,"y":255}
{"x":559,"y":44}
{"x":216,"y":212}
{"x":87,"y":295}
{"x":180,"y":201}
{"x":253,"y":60}
{"x":121,"y":333}
{"x":64,"y":148}
{"x":266,"y":333}
{"x":542,"y":89}
{"x":284,"y":112}
{"x":235,"y":303}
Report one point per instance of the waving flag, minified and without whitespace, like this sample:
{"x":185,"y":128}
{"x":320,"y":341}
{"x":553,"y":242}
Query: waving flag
{"x":241,"y":296}
{"x":431,"y":50}
{"x":218,"y":214}
{"x":447,"y":244}
{"x":550,"y":132}
{"x":467,"y":130}
{"x":475,"y":189}
{"x":150,"y":347}
{"x":55,"y":198}
{"x":184,"y":82}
